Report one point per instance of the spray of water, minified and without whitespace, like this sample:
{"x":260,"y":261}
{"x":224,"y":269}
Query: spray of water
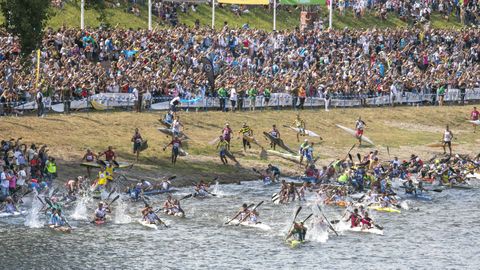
{"x":33,"y":218}
{"x":318,"y":230}
{"x":80,"y":212}
{"x":120,"y":213}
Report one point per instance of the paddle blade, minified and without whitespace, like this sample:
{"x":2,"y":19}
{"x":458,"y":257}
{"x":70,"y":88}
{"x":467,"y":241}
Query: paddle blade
{"x":309,"y":216}
{"x":350,"y":157}
{"x":297,"y":212}
{"x":187,"y":196}
{"x":114,"y":199}
{"x":172,"y":177}
{"x":359,"y":157}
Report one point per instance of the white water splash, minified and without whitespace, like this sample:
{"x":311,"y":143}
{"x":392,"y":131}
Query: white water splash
{"x":318,"y":231}
{"x":80,"y":212}
{"x":404,"y":205}
{"x":120,"y":213}
{"x":216,"y":190}
{"x":32,"y":220}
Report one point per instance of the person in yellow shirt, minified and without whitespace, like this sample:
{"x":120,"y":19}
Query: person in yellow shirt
{"x":223,"y":147}
{"x":300,"y":125}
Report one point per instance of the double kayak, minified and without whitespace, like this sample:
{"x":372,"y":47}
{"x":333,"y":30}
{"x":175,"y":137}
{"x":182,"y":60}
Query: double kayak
{"x":258,"y":225}
{"x":147,"y":224}
{"x":384,"y":209}
{"x":361,"y":230}
{"x":12,"y":214}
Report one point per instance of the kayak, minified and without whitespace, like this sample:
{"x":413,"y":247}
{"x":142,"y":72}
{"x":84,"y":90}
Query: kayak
{"x":63,"y":229}
{"x":159,"y":191}
{"x":384,"y":209}
{"x":339,"y":203}
{"x":418,"y":196}
{"x":294,"y":243}
{"x":148,"y":224}
{"x":261,"y":226}
{"x":354,"y":134}
{"x":359,"y":229}
{"x":291,"y":157}
{"x":307,"y":132}
{"x":279,"y":142}
{"x":99,"y":221}
{"x":460,"y":187}
{"x":14,"y":214}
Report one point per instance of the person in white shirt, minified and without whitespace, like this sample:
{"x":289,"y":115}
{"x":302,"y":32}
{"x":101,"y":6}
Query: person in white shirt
{"x":233,"y":98}
{"x":4,"y":182}
{"x":21,"y":177}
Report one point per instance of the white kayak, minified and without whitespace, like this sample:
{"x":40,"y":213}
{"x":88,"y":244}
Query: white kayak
{"x":475,"y":122}
{"x":346,"y":227}
{"x":148,"y":224}
{"x":14,"y":214}
{"x":260,"y":226}
{"x":353,"y":133}
{"x":307,"y":132}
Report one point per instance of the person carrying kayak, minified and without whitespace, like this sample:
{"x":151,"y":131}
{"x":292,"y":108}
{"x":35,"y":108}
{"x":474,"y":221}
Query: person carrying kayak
{"x":101,"y":212}
{"x":274,"y":173}
{"x":447,"y":140}
{"x":172,"y":206}
{"x":227,"y":134}
{"x":110,"y":155}
{"x":474,"y":116}
{"x":298,"y":231}
{"x":168,"y":119}
{"x":223,"y":146}
{"x":354,"y":218}
{"x":89,"y":157}
{"x":303,"y":148}
{"x":300,"y":125}
{"x":247,"y":136}
{"x":275,"y":134}
{"x":359,"y":127}
{"x":137,"y":143}
{"x":176,"y":124}
{"x":176,"y":143}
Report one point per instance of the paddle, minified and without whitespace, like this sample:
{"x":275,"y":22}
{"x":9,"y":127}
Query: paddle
{"x":359,"y":157}
{"x":226,"y":223}
{"x":214,"y":195}
{"x":256,"y":206}
{"x":40,"y":199}
{"x":65,"y":220}
{"x":348,"y":153}
{"x":110,"y":194}
{"x":186,"y":196}
{"x":161,"y":221}
{"x":294,"y":218}
{"x":309,"y":216}
{"x":328,"y":222}
{"x":114,"y":199}
{"x":388,"y":151}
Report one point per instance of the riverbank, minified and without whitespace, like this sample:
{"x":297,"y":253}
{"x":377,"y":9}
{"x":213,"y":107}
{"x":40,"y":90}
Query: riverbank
{"x":405,"y":130}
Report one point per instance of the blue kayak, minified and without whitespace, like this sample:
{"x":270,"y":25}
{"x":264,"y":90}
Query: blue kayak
{"x":418,"y":196}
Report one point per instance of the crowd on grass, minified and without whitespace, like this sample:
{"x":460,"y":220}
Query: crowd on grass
{"x":165,"y":63}
{"x":24,"y":166}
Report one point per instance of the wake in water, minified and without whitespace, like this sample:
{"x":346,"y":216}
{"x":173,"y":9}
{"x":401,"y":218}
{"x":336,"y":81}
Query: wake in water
{"x":80,"y":212}
{"x":318,"y":230}
{"x":33,"y":218}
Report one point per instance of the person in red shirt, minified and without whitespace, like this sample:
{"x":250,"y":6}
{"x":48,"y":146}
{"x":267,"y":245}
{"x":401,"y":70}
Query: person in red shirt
{"x":474,"y":115}
{"x":110,"y":155}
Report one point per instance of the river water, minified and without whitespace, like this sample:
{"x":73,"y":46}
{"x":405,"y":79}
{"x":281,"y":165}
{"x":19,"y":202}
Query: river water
{"x":442,"y":234}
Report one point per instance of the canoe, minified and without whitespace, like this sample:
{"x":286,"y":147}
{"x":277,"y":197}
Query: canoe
{"x":148,"y":224}
{"x":178,"y":214}
{"x":278,"y":142}
{"x":261,"y":226}
{"x":169,"y":132}
{"x":99,"y":221}
{"x":339,"y":203}
{"x":359,"y":229}
{"x":63,"y":229}
{"x":307,"y":132}
{"x":14,"y":214}
{"x":353,"y":133}
{"x":294,"y":243}
{"x":384,"y":209}
{"x":159,"y":191}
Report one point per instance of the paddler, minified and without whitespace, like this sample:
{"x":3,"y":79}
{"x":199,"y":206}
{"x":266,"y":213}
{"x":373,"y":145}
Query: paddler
{"x":201,"y":189}
{"x":274,"y":173}
{"x":299,"y":231}
{"x":176,"y":143}
{"x":145,"y":185}
{"x":89,"y":157}
{"x":447,"y":140}
{"x":292,"y":193}
{"x":354,"y":218}
{"x":172,"y":206}
{"x":409,"y":187}
{"x":300,"y":125}
{"x":474,"y":116}
{"x":73,"y":185}
{"x":56,"y":219}
{"x":149,"y":215}
{"x":367,"y":222}
{"x":359,"y":126}
{"x":223,"y":146}
{"x":227,"y":134}
{"x":137,"y":143}
{"x":101,"y":212}
{"x":10,"y":205}
{"x":248,"y":215}
{"x":247,"y":136}
{"x":275,"y":134}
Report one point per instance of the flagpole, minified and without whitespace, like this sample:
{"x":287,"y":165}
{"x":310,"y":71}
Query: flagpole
{"x":82,"y":14}
{"x":150,"y":15}
{"x":274,"y":15}
{"x":330,"y":15}
{"x":213,"y":14}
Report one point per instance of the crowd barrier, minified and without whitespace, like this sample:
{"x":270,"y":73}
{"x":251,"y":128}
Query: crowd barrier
{"x":109,"y":101}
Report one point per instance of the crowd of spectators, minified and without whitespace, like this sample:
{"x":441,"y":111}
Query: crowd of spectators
{"x":343,"y":63}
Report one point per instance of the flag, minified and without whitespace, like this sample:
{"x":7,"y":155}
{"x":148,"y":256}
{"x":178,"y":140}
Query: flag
{"x":208,"y":69}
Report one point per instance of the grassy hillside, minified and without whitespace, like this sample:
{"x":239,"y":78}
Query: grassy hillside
{"x":405,"y":130}
{"x":259,"y":18}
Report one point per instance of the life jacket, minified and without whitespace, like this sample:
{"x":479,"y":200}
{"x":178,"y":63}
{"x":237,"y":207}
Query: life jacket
{"x":51,"y":167}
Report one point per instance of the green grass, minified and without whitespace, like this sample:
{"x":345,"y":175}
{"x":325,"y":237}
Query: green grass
{"x":258,"y":18}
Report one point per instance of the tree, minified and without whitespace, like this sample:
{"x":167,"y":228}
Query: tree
{"x":26,"y":19}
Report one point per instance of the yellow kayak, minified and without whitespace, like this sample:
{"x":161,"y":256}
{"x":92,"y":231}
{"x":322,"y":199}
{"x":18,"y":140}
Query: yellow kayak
{"x":294,"y":243}
{"x":384,"y":209}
